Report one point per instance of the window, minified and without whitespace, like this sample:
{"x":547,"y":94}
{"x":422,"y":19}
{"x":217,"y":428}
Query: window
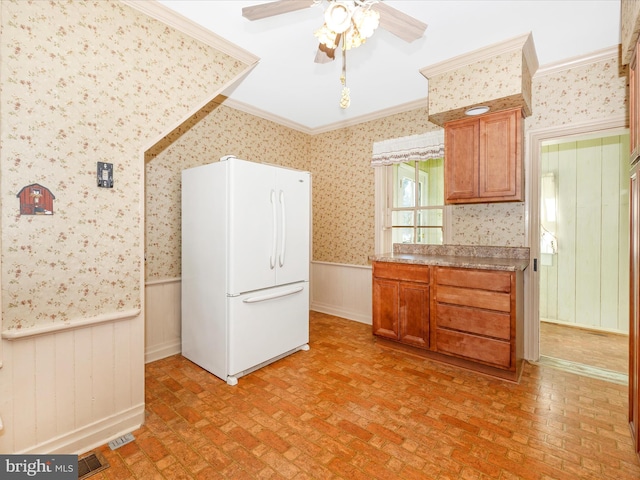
{"x":409,"y":191}
{"x":410,"y":204}
{"x":417,"y":207}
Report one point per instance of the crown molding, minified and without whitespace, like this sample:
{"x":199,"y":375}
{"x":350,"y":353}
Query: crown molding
{"x":521,"y":42}
{"x":256,"y":112}
{"x":603,"y":55}
{"x":405,"y":107}
{"x":173,"y":19}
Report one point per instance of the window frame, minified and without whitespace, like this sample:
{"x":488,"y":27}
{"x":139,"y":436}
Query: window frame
{"x":383,"y":188}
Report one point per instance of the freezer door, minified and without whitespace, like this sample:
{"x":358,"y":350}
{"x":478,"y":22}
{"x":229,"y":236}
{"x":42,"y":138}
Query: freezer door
{"x":293,"y":191}
{"x":266,"y":324}
{"x":253,"y":208}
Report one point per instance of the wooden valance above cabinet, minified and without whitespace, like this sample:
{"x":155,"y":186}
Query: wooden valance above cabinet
{"x":483,"y":158}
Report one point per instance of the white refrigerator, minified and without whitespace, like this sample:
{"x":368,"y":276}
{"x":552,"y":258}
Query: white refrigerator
{"x":245,"y":265}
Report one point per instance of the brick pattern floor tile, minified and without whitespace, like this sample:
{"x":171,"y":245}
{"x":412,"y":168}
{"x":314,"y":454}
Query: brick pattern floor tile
{"x":348,"y":409}
{"x":589,"y":347}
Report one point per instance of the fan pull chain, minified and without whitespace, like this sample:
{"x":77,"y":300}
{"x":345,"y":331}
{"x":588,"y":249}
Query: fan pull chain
{"x":345,"y":100}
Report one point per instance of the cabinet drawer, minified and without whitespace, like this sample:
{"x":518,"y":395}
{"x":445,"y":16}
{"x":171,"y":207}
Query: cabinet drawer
{"x":474,"y":298}
{"x":471,"y":320}
{"x":401,"y":271}
{"x":493,"y":280}
{"x":486,"y":350}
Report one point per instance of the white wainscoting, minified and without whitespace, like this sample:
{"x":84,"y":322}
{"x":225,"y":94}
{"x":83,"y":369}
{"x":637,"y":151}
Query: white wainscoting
{"x":163,"y":319}
{"x":72,"y":389}
{"x":336,"y":289}
{"x":342,"y":290}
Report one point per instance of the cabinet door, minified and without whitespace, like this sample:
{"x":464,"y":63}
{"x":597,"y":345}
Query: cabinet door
{"x":414,"y":314}
{"x":386,"y":307}
{"x":500,"y":160}
{"x":461,"y":160}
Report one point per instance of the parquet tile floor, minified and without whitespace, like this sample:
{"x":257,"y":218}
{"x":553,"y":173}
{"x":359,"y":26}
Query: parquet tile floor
{"x":597,"y":349}
{"x":349,"y":409}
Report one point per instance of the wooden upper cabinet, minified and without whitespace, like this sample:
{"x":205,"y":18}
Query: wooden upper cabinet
{"x":483,"y":158}
{"x":462,"y":139}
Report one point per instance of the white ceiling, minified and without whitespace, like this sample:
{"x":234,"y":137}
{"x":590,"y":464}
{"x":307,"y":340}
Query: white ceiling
{"x":385,"y":72}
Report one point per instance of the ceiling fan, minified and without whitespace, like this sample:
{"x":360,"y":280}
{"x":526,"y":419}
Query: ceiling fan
{"x":348,"y":23}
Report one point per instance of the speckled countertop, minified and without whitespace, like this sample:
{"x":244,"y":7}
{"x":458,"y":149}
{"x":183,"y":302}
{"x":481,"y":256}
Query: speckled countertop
{"x":463,"y":256}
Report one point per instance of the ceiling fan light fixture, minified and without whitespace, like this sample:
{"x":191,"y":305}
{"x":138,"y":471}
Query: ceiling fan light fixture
{"x":326,"y":36}
{"x":338,"y":16}
{"x":366,"y":21}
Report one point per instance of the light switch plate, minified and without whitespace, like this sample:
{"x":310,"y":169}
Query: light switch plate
{"x":105,"y":175}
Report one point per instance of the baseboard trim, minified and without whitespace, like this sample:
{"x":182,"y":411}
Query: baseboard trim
{"x":342,"y":313}
{"x":164,"y":350}
{"x":93,"y":435}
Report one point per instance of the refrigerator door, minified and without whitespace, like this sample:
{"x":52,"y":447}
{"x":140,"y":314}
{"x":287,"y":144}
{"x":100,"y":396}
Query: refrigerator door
{"x":252,"y":232}
{"x":266,"y":324}
{"x":293,"y":191}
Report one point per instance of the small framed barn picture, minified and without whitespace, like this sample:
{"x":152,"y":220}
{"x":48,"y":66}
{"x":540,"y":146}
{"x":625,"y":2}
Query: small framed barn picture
{"x":36,"y":200}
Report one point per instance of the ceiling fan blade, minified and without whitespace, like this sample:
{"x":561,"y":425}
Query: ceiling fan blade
{"x":324,"y":54}
{"x":400,"y":24}
{"x":264,"y":10}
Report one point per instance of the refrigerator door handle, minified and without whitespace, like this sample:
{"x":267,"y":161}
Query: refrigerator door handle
{"x":271,"y":296}
{"x":274,"y":214}
{"x":283,"y":228}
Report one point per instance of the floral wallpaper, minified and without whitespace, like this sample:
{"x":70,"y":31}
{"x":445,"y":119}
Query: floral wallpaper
{"x":488,"y":224}
{"x":589,"y":92}
{"x":343,"y":185}
{"x":82,"y":82}
{"x":496,"y":82}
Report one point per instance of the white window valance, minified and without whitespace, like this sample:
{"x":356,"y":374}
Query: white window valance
{"x":405,"y":149}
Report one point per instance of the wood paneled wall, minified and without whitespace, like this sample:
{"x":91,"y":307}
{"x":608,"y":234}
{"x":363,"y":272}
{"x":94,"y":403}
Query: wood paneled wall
{"x":342,"y":290}
{"x":587,"y":282}
{"x":72,"y":388}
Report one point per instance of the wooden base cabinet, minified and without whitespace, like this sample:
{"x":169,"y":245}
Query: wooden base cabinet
{"x":467,"y":317}
{"x":401,"y":303}
{"x":477,"y":316}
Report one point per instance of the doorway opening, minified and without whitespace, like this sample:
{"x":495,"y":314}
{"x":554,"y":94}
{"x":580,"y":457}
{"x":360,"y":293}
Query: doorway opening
{"x":584,"y":254}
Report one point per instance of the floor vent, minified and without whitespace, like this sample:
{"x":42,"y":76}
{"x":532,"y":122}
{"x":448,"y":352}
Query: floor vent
{"x":120,"y":441}
{"x":91,"y":464}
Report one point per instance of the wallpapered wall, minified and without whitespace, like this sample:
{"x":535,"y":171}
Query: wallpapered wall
{"x":343,"y":180}
{"x":590,"y":92}
{"x":84,"y":82}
